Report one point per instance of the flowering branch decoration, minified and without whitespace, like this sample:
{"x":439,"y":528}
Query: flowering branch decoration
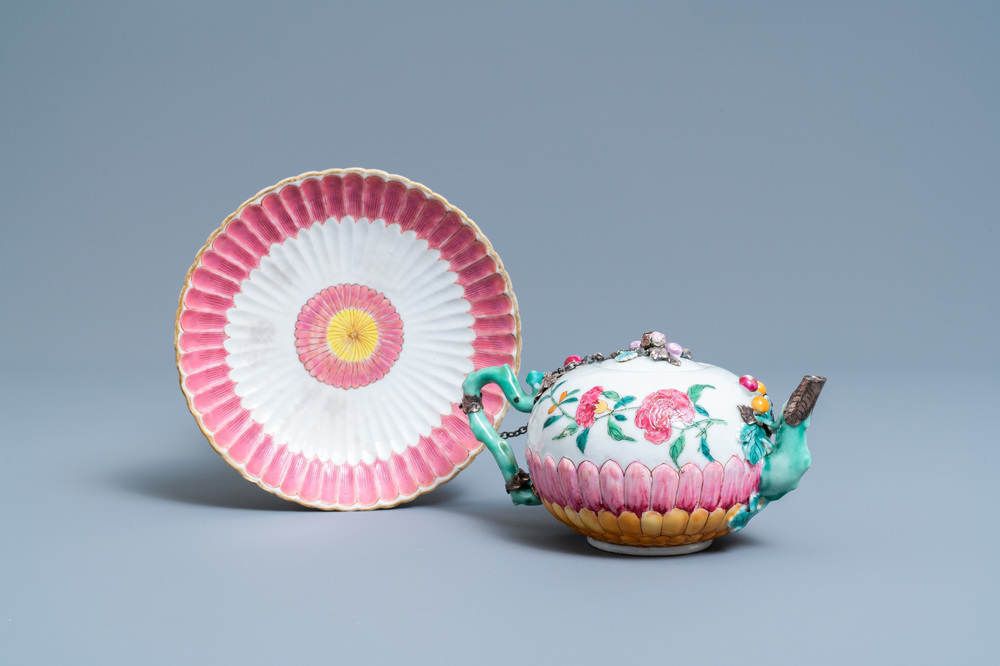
{"x":594,"y":406}
{"x":668,"y":410}
{"x":667,"y":415}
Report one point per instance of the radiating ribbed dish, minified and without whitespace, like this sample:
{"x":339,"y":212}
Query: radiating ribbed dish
{"x":324,"y":331}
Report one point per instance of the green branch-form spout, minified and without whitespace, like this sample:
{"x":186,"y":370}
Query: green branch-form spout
{"x":790,"y":459}
{"x":518,"y":483}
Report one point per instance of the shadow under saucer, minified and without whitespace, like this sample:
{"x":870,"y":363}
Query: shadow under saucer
{"x":206,"y":480}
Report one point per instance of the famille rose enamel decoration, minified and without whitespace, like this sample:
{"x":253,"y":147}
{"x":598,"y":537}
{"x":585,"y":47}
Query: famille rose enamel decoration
{"x":646,"y":451}
{"x":324,"y":332}
{"x":349,"y":340}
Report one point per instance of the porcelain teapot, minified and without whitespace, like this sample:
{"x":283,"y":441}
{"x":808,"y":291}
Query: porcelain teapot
{"x":646,"y":451}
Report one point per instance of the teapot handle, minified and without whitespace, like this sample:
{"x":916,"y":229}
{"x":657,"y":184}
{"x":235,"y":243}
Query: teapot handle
{"x":518,"y":482}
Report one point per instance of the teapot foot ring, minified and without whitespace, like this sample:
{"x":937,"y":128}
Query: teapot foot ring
{"x":649,"y":551}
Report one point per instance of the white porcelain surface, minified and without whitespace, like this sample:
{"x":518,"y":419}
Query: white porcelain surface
{"x":348,"y":426}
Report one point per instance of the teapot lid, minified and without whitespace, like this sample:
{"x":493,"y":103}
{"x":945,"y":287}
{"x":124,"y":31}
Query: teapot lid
{"x":652,"y":345}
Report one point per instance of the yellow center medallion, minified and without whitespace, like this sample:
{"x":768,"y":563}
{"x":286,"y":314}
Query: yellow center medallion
{"x":352,"y":335}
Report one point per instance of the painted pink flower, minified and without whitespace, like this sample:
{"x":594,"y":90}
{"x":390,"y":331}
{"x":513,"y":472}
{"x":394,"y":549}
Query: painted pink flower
{"x":588,"y":406}
{"x":348,"y":336}
{"x":660,"y":410}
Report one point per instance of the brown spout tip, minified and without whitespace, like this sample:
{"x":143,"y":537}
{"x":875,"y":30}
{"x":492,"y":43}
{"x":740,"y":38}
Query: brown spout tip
{"x":803,"y":399}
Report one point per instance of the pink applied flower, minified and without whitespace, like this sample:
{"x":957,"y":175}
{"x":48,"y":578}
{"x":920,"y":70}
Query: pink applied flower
{"x":588,"y":406}
{"x":660,"y":410}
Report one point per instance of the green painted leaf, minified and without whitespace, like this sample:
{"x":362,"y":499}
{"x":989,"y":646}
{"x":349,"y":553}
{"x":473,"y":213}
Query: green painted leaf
{"x":573,"y":391}
{"x":552,"y":419}
{"x":701,"y":410}
{"x":621,"y":417}
{"x":695,"y":391}
{"x":611,"y":395}
{"x":755,"y":453}
{"x":626,"y":399}
{"x":615,"y":431}
{"x":569,"y":400}
{"x":676,"y":449}
{"x":703,"y":447}
{"x":567,"y":431}
{"x":581,"y":440}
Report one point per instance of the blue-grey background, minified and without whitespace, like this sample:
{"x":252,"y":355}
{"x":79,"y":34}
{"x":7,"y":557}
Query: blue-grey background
{"x":786,"y":188}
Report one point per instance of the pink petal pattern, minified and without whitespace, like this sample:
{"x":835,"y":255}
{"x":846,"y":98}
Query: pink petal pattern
{"x":365,"y":476}
{"x":292,"y":480}
{"x":412,"y":203}
{"x":663,"y":494}
{"x":612,"y":487}
{"x":203,"y":379}
{"x":431,"y":452}
{"x":311,"y":481}
{"x":276,"y":468}
{"x":348,"y":493}
{"x":431,"y":215}
{"x":200,"y":340}
{"x":689,"y":489}
{"x":392,"y":201}
{"x":296,"y":207}
{"x":231,"y":433}
{"x":639,"y":489}
{"x":731,"y":482}
{"x":212,"y":281}
{"x":330,"y":494}
{"x":711,"y":490}
{"x":238,"y":248}
{"x":569,"y":484}
{"x":228,"y":248}
{"x":354,"y":185}
{"x":551,"y":474}
{"x":275,"y":207}
{"x":422,"y":474}
{"x":312,"y":193}
{"x":260,"y":223}
{"x":751,"y":479}
{"x":311,"y":336}
{"x":590,"y":485}
{"x":244,"y":236}
{"x":372,"y":196}
{"x":403,"y":482}
{"x":638,"y":483}
{"x":246,"y":443}
{"x":260,"y":458}
{"x":227,"y":414}
{"x":333,"y":198}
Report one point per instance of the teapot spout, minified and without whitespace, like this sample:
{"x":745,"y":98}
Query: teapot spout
{"x":803,"y":400}
{"x":790,"y":459}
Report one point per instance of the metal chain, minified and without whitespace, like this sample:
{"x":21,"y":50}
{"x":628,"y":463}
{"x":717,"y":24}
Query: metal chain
{"x":514,"y":433}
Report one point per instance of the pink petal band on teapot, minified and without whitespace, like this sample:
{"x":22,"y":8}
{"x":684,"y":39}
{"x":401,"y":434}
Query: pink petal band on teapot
{"x":638,"y":489}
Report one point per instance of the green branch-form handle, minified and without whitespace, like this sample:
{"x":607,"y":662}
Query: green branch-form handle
{"x":518,"y":482}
